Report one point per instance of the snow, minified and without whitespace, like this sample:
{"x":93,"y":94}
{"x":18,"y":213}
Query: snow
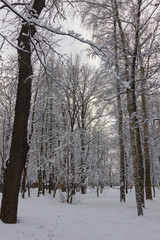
{"x":126,"y":84}
{"x":89,"y":218}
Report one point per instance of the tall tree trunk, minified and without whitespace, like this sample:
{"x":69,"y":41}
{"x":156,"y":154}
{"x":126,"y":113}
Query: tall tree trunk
{"x":24,"y":177}
{"x":19,"y":146}
{"x":126,"y":175}
{"x":82,"y":137}
{"x":146,"y":147}
{"x":134,"y":105}
{"x":3,"y":157}
{"x":44,"y":180}
{"x":41,"y":160}
{"x":132,"y":110}
{"x":120,"y":120}
{"x":40,"y":181}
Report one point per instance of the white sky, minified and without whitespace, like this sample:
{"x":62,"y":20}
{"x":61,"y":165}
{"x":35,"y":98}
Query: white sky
{"x":67,"y":45}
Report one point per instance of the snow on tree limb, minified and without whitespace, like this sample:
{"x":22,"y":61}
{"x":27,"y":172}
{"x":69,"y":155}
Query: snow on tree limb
{"x":70,"y":33}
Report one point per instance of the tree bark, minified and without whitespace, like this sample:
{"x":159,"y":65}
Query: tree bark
{"x":132,"y":109}
{"x":120,"y":119}
{"x":19,"y":145}
{"x":146,"y":147}
{"x":82,"y":137}
{"x":25,"y":171}
{"x":133,"y":112}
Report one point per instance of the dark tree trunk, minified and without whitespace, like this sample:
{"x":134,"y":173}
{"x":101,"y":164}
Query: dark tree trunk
{"x":97,"y":188}
{"x":146,"y":146}
{"x":148,"y":188}
{"x":51,"y":178}
{"x":19,"y":145}
{"x":127,"y":166}
{"x":24,"y":181}
{"x":82,"y":167}
{"x":44,"y":181}
{"x":40,"y":182}
{"x":81,"y":124}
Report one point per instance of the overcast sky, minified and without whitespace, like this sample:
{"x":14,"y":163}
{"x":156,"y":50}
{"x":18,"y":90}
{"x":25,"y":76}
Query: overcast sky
{"x":67,"y":45}
{"x":70,"y":45}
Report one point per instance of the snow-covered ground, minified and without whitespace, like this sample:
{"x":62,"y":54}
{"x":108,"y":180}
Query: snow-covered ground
{"x":89,"y":218}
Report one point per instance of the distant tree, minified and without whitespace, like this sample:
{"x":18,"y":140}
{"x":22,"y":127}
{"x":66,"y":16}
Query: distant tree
{"x":131,"y":19}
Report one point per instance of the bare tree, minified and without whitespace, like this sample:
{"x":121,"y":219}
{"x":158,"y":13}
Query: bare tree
{"x":19,"y":145}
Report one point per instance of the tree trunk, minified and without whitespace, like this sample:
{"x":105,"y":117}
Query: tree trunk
{"x":127,"y":167}
{"x":82,"y":137}
{"x":24,"y":177}
{"x":132,"y":109}
{"x":120,"y":120}
{"x":146,"y":147}
{"x":40,"y":182}
{"x":51,"y":177}
{"x":24,"y":181}
{"x":148,"y":188}
{"x":44,"y":180}
{"x":19,"y":146}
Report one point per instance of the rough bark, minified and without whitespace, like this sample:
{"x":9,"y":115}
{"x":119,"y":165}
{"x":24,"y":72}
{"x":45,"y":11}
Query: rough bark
{"x":146,"y":147}
{"x":82,"y":136}
{"x":126,"y":175}
{"x":132,"y":109}
{"x":120,"y":119}
{"x":24,"y":177}
{"x":19,"y":145}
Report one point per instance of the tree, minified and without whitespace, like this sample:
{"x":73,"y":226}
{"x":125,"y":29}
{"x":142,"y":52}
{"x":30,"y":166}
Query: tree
{"x":78,"y":92}
{"x":120,"y":114}
{"x":19,"y":145}
{"x":8,"y":85}
{"x":129,"y":19}
{"x":132,"y":108}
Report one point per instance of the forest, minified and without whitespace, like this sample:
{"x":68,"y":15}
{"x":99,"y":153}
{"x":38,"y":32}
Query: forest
{"x":73,"y":121}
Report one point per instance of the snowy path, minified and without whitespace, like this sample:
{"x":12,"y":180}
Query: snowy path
{"x":91,"y":218}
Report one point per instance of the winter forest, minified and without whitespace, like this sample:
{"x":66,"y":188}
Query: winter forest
{"x":79,"y":104}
